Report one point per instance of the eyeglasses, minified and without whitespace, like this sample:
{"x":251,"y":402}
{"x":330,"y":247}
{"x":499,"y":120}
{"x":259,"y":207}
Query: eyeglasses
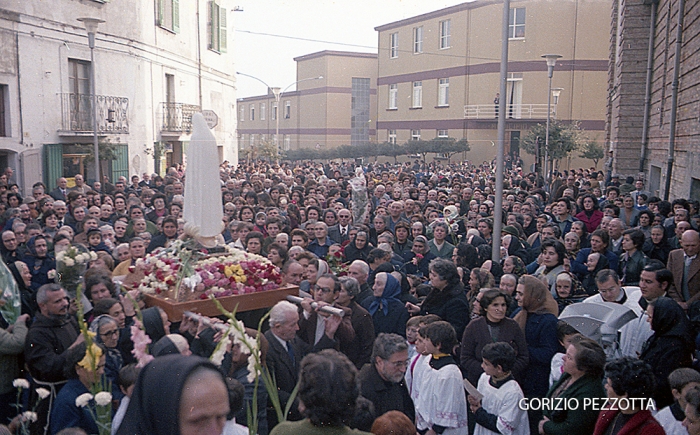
{"x":110,"y":333}
{"x":325,"y":290}
{"x":607,"y":290}
{"x":399,"y":364}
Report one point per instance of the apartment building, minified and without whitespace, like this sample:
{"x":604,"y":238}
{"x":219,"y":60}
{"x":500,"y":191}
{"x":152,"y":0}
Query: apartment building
{"x":155,"y":63}
{"x":438,"y":73}
{"x":333,"y":103}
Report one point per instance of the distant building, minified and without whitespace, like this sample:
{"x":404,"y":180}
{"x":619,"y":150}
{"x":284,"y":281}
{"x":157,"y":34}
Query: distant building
{"x":155,"y":64}
{"x":322,"y":113}
{"x":633,"y":23}
{"x":439,"y":72}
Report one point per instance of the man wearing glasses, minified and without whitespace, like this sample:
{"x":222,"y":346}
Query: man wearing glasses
{"x":382,"y":381}
{"x":316,"y":324}
{"x":609,"y":290}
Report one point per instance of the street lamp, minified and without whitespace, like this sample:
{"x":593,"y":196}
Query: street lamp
{"x":91,"y":28}
{"x":278,"y":95}
{"x":551,"y":62}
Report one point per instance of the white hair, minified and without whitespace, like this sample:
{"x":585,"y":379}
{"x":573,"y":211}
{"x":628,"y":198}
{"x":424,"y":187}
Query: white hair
{"x":281,"y":311}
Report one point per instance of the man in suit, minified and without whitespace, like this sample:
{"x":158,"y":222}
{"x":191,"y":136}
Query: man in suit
{"x":60,"y":192}
{"x":684,"y":263}
{"x":287,"y":350}
{"x":340,"y":232}
{"x":80,"y":185}
{"x":315,"y":325}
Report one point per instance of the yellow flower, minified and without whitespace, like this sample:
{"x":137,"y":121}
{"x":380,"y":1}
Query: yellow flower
{"x":88,"y":363}
{"x":228,"y":271}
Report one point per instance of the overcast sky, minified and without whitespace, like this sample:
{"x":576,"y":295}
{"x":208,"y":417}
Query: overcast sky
{"x":269,"y":34}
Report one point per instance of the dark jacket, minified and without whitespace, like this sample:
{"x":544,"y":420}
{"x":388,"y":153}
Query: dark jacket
{"x":476,"y":336}
{"x":657,"y":252}
{"x":386,"y":396}
{"x":578,"y":266}
{"x":388,"y":313}
{"x":629,"y":269}
{"x":450,"y":304}
{"x":423,"y":265}
{"x":46,"y":345}
{"x":542,"y":344}
{"x":574,"y":422}
{"x":642,"y":423}
{"x":360,"y":349}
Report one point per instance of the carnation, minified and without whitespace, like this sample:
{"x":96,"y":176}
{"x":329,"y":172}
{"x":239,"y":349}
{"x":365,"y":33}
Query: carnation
{"x":83,"y":400}
{"x":43,"y":393}
{"x":20,"y":383}
{"x":103,"y":398}
{"x":68,"y":262}
{"x":29,"y":416}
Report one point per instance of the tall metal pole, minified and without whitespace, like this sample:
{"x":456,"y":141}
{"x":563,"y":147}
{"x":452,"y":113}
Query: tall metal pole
{"x":498,"y":208}
{"x":550,"y":73}
{"x":91,"y":28}
{"x":674,"y":100}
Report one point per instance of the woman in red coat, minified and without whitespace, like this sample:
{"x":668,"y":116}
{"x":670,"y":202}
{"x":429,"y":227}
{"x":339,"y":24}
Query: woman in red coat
{"x":628,"y":378}
{"x":590,"y":215}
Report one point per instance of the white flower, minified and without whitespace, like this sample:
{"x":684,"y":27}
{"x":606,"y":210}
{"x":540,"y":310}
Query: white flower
{"x":20,"y":383}
{"x":60,"y":255}
{"x":43,"y":393}
{"x":103,"y":398}
{"x":93,"y":256}
{"x":68,"y":262}
{"x":218,"y":356}
{"x":83,"y":400}
{"x":51,"y":274}
{"x":29,"y":416}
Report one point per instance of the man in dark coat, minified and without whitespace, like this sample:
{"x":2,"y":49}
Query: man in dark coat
{"x":382,"y":381}
{"x":360,"y":349}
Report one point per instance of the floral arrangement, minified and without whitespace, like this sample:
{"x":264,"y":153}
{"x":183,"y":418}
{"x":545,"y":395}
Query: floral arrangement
{"x":27,"y":417}
{"x":101,"y":412}
{"x":336,"y":261}
{"x":179,"y":268}
{"x":71,"y":264}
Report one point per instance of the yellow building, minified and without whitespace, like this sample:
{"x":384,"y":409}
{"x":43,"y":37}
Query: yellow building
{"x":438,"y":73}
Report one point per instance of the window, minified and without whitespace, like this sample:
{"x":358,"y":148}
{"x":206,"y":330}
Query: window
{"x":417,"y":94}
{"x":445,"y":34}
{"x":169,"y":15}
{"x":418,"y":40}
{"x":262,"y":111}
{"x":287,"y":142}
{"x":252,"y":112}
{"x":393,"y":96}
{"x":241,"y":109}
{"x":516,"y":23}
{"x":273,"y":114}
{"x":415,"y":134}
{"x":391,"y":136}
{"x":394,"y":45}
{"x":217,"y":27}
{"x":359,"y":121}
{"x":443,"y":92}
{"x":80,"y":100}
{"x":442,"y":133}
{"x":4,"y":113}
{"x":252,"y":140}
{"x":287,"y":109}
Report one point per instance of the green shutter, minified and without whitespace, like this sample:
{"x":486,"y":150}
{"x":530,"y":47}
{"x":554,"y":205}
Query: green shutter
{"x":120,"y":165}
{"x":160,"y":12}
{"x":210,"y":25}
{"x":222,"y":33}
{"x":176,"y":16}
{"x":53,"y":164}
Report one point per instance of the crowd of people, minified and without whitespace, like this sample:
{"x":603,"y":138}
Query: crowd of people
{"x":426,"y":307}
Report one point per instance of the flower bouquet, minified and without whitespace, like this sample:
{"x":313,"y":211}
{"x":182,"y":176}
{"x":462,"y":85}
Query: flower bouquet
{"x":71,"y":265}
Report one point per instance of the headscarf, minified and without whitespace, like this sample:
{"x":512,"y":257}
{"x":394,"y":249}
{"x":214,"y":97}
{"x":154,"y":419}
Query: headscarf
{"x":153,"y":323}
{"x":170,"y":344}
{"x":392,"y":289}
{"x":155,"y":402}
{"x":537,"y":299}
{"x":27,"y":295}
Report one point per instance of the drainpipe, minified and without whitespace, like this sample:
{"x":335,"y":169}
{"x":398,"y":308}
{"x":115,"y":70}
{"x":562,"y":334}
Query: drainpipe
{"x":674,"y":99}
{"x":647,"y":88}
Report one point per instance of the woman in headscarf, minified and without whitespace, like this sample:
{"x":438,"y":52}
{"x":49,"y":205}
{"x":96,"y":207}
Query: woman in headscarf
{"x":171,"y":344}
{"x":156,"y":323}
{"x":106,"y":330}
{"x":39,"y":261}
{"x":418,"y":260}
{"x":21,"y":274}
{"x":670,"y":347}
{"x":595,"y":263}
{"x":538,"y":319}
{"x":514,"y":265}
{"x":358,"y":248}
{"x":388,"y":312}
{"x":569,"y":290}
{"x":177,"y":395}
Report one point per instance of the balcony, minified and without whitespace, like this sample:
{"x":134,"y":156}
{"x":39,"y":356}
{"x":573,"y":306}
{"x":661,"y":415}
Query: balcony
{"x":77,"y":113}
{"x":513,"y":111}
{"x":177,"y":117}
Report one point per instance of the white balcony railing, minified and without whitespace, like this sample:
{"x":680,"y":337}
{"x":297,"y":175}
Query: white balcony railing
{"x":513,"y":111}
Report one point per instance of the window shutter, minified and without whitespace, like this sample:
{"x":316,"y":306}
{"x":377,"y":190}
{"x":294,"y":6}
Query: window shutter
{"x":176,"y":16}
{"x":210,"y":25}
{"x":222,"y":34}
{"x":160,"y":11}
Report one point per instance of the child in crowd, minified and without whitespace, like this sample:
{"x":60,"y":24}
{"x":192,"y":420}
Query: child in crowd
{"x":94,"y":239}
{"x":671,"y":417}
{"x":566,"y":334}
{"x":126,"y":381}
{"x":419,"y":362}
{"x":441,"y":405}
{"x":498,"y":411}
{"x":412,"y":327}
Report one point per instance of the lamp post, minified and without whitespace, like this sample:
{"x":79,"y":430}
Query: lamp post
{"x":277,"y":93}
{"x":91,"y":28}
{"x":551,"y":62}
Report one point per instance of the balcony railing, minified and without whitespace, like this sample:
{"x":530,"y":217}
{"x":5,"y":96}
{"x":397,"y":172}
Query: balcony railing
{"x":513,"y":111}
{"x":177,"y":117}
{"x":77,"y":113}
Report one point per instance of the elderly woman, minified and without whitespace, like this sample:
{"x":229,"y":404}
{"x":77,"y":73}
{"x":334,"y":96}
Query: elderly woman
{"x":360,"y":349}
{"x":632,"y":260}
{"x":625,"y":378}
{"x":569,"y":290}
{"x":418,"y":260}
{"x":106,"y":330}
{"x":582,"y":379}
{"x":447,"y":298}
{"x":388,"y":313}
{"x":493,"y":326}
{"x":600,"y":240}
{"x":551,"y":262}
{"x":358,"y":248}
{"x":538,"y":319}
{"x":39,"y":261}
{"x":514,"y":265}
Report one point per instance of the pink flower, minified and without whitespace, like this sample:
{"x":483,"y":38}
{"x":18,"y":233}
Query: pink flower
{"x":141,"y":342}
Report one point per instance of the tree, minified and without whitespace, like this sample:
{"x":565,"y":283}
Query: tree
{"x":420,"y":147}
{"x":268,"y":150}
{"x":448,"y":146}
{"x":391,"y":150}
{"x":592,"y":150}
{"x":563,"y":139}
